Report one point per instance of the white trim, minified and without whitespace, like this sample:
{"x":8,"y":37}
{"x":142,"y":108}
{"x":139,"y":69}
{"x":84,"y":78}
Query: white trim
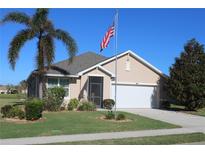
{"x":97,"y":75}
{"x":122,"y":54}
{"x":101,"y":63}
{"x":61,"y":75}
{"x":101,"y":68}
{"x":135,"y":84}
{"x":107,"y":71}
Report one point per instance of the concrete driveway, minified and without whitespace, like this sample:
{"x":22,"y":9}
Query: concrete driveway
{"x":182,"y":119}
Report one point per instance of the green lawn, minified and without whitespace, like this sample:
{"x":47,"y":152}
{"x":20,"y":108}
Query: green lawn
{"x":155,"y":140}
{"x":58,"y":123}
{"x":12,"y":96}
{"x":4,"y":101}
{"x":200,"y":112}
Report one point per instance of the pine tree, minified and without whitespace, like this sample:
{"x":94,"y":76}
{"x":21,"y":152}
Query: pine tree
{"x":186,"y":83}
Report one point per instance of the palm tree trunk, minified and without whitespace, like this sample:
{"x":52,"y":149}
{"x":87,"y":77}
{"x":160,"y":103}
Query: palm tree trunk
{"x":41,"y":65}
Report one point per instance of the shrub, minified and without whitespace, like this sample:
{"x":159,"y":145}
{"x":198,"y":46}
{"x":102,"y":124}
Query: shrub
{"x":197,"y":104}
{"x":12,"y":111}
{"x":87,"y":106}
{"x":62,"y":108}
{"x":73,"y":104}
{"x":21,"y":114}
{"x":120,"y":117}
{"x":110,"y":115}
{"x":70,"y":107}
{"x":108,"y":103}
{"x":164,"y":104}
{"x":54,"y":98}
{"x":34,"y":109}
{"x":5,"y":110}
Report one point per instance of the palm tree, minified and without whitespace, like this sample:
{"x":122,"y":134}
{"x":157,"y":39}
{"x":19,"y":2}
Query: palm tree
{"x":40,"y":27}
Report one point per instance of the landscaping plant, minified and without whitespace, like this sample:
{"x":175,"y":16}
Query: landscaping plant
{"x":34,"y":109}
{"x":54,"y":98}
{"x":109,"y":115}
{"x":109,"y":104}
{"x":87,"y":106}
{"x":186,"y":84}
{"x":120,"y":116}
{"x":5,"y":110}
{"x":73,"y":104}
{"x":9,"y":111}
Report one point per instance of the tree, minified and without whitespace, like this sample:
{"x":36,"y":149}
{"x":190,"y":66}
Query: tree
{"x":22,"y":86}
{"x":40,"y":27}
{"x":186,"y":83}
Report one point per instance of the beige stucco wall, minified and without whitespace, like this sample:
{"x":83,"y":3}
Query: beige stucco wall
{"x":74,"y":87}
{"x":84,"y":81}
{"x":78,"y":87}
{"x":138,"y":73}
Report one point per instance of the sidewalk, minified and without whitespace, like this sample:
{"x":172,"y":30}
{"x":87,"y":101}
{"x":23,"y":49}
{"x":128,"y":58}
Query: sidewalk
{"x":195,"y":143}
{"x":96,"y":136}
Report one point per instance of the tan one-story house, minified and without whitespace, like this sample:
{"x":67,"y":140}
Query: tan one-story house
{"x":92,"y":77}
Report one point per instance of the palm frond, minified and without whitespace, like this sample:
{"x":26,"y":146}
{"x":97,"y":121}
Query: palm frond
{"x":67,"y":40}
{"x":17,"y":43}
{"x":17,"y":17}
{"x":48,"y":26}
{"x":40,"y":17}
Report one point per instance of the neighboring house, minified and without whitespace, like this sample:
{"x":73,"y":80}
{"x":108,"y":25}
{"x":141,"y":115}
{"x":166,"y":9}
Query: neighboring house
{"x":91,"y":76}
{"x":24,"y":91}
{"x":3,"y":90}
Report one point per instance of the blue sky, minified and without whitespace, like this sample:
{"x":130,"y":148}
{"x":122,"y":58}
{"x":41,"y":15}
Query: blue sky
{"x":157,"y":35}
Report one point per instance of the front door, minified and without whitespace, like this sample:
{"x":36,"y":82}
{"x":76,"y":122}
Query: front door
{"x":96,"y":90}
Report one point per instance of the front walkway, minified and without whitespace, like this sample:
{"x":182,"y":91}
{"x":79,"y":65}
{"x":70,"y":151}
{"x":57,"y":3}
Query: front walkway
{"x":96,"y":136}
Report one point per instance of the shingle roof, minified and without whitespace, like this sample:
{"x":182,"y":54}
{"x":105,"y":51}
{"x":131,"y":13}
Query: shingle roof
{"x":78,"y":64}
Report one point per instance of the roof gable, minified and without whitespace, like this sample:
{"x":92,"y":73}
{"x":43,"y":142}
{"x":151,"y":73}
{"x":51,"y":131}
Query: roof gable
{"x":147,"y":64}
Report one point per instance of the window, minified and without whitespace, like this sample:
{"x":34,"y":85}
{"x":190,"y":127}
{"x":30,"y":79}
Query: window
{"x":65,"y":84}
{"x":57,"y":82}
{"x":52,"y":82}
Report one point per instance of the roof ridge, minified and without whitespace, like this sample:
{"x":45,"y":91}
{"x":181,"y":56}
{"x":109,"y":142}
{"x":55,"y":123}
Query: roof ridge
{"x":81,"y":54}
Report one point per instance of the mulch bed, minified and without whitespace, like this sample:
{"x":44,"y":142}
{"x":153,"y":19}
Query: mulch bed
{"x":113,"y":120}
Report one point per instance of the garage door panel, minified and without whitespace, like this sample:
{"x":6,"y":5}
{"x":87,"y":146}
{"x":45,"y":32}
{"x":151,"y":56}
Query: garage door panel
{"x":135,"y":96}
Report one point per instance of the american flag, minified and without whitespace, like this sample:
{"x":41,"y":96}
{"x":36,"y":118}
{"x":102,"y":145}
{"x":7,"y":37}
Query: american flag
{"x":106,"y":39}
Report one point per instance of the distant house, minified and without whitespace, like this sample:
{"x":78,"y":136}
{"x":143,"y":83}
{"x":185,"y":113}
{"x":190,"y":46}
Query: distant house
{"x":24,"y":91}
{"x":91,"y":76}
{"x":3,"y":90}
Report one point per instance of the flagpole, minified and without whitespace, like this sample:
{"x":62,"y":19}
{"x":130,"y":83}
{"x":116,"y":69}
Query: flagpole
{"x":116,"y":31}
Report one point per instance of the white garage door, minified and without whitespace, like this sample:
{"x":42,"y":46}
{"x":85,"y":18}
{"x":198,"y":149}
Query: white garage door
{"x":132,"y":96}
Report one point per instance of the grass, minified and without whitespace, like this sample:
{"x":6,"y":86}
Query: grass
{"x":58,"y":123}
{"x":155,"y":140}
{"x":5,"y":101}
{"x":200,"y":112}
{"x":12,"y":96}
